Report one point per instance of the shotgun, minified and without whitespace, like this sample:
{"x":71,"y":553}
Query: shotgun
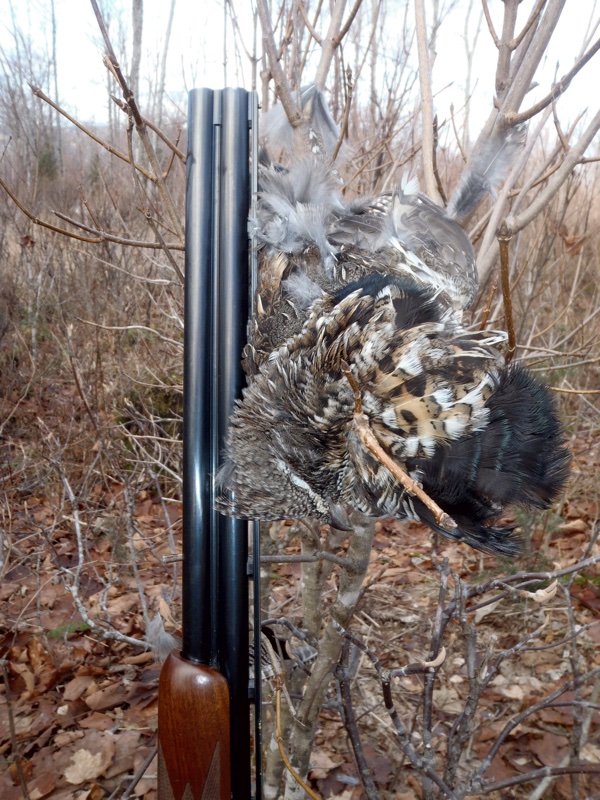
{"x":203,"y":702}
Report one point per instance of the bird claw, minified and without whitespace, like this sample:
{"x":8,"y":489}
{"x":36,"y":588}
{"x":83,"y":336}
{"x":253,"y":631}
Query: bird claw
{"x":338,"y":517}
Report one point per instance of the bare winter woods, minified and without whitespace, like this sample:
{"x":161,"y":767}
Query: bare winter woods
{"x":408,"y":667}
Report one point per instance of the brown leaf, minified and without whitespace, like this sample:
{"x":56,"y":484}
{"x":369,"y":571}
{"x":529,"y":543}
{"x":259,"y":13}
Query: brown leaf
{"x":78,"y":687}
{"x":23,"y":671}
{"x":96,"y":792}
{"x":321,"y":763}
{"x":381,"y":767}
{"x":8,"y":588}
{"x":97,"y":722}
{"x":549,"y":748}
{"x":66,"y":738}
{"x":37,"y":653}
{"x":42,"y":663}
{"x":84,"y":766}
{"x":127,"y":749}
{"x":123,"y":603}
{"x":588,"y":595}
{"x":447,"y":699}
{"x":573,"y":526}
{"x":42,"y":785}
{"x":488,"y":732}
{"x":114,"y":695}
{"x":141,"y":658}
{"x":92,"y":758}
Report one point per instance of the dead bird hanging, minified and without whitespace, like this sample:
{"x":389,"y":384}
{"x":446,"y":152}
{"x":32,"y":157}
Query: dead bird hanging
{"x":358,"y":327}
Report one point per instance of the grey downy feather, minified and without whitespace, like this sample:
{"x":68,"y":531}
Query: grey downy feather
{"x":487,"y":171}
{"x":278,"y":135}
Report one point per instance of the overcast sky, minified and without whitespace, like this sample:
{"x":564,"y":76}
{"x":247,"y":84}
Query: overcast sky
{"x":195,"y":54}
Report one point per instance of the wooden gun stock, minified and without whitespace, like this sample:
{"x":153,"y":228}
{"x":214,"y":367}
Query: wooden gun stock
{"x":193,"y":732}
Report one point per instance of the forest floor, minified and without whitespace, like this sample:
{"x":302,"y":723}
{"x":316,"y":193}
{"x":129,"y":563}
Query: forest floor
{"x":79,"y":711}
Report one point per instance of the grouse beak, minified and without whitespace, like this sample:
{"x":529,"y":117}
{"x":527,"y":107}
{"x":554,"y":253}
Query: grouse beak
{"x":338,"y":517}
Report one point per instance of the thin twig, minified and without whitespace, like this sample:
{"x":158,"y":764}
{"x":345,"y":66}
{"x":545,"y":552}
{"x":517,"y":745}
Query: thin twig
{"x":282,"y":752}
{"x":344,"y":126}
{"x":109,"y":237}
{"x":536,"y":774}
{"x":112,"y":150}
{"x":343,"y":677}
{"x":404,"y":740}
{"x":349,"y":21}
{"x":488,"y":307}
{"x":140,"y":773}
{"x":426,"y":101}
{"x":527,"y":27}
{"x":148,"y":215}
{"x":77,"y":377}
{"x":161,"y":134}
{"x":42,"y":224}
{"x":330,"y":43}
{"x":281,"y":84}
{"x":13,"y":731}
{"x":321,"y":555}
{"x":490,"y":24}
{"x":504,"y":236}
{"x":436,"y":172}
{"x":556,"y":91}
{"x":112,"y":64}
{"x":308,"y":24}
{"x":532,"y":709}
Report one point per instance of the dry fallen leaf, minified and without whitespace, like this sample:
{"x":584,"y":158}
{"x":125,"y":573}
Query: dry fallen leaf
{"x":85,"y":766}
{"x":321,"y":763}
{"x":591,"y":752}
{"x":489,"y":609}
{"x":93,"y":759}
{"x":513,"y":691}
{"x":24,"y":672}
{"x":78,"y":687}
{"x":447,"y":699}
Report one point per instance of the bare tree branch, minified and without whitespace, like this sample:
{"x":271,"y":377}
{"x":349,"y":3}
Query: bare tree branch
{"x":282,"y":89}
{"x":349,"y":21}
{"x":503,"y":235}
{"x":41,"y":222}
{"x":520,"y":82}
{"x":112,"y":63}
{"x":309,"y":24}
{"x":572,"y":158}
{"x":155,"y":129}
{"x":558,"y":88}
{"x":109,"y":237}
{"x":490,"y":24}
{"x":426,"y":102}
{"x":113,"y":150}
{"x":533,"y":17}
{"x":330,"y":43}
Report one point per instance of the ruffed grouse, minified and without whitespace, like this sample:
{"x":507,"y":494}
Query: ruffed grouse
{"x":359,"y":304}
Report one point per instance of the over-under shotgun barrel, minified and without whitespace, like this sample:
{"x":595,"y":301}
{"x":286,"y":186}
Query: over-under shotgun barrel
{"x":203,"y":717}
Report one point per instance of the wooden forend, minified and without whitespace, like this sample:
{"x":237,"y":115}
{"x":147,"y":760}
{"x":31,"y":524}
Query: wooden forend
{"x":193,"y":732}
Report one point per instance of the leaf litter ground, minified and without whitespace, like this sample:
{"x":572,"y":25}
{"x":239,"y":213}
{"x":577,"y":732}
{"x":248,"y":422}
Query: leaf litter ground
{"x":80,"y":714}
